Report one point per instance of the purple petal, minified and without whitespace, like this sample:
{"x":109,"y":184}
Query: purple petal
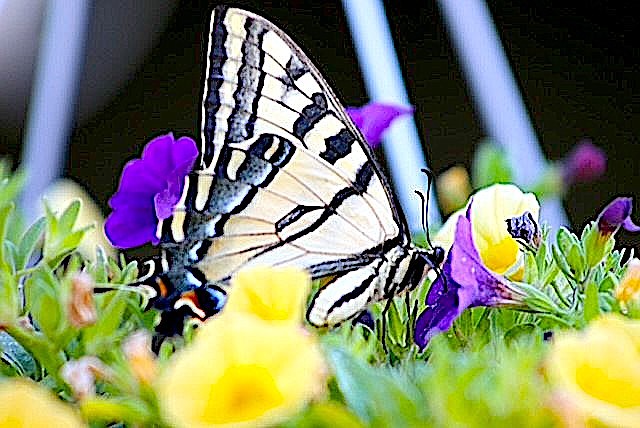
{"x":616,"y":214}
{"x":374,"y":118}
{"x":149,"y":189}
{"x":439,"y":317}
{"x":464,"y":282}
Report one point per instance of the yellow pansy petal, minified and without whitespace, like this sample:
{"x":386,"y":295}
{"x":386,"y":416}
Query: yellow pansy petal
{"x":242,"y":371}
{"x":598,"y":370}
{"x":273,"y":294}
{"x":446,"y":234}
{"x":26,"y":404}
{"x":492,"y":206}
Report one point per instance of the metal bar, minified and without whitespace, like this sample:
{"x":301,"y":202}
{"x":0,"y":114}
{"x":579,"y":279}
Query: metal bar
{"x":383,"y":80}
{"x":53,"y":97}
{"x":496,"y":94}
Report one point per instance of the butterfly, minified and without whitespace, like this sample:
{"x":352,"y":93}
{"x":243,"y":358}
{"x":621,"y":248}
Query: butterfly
{"x":283,"y":177}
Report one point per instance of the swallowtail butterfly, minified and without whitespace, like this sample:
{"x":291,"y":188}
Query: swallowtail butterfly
{"x":283,"y":177}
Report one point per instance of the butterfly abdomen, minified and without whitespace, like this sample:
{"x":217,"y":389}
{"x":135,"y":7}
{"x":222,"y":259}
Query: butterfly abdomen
{"x":402,"y":268}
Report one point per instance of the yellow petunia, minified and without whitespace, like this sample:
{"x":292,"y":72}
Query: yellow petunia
{"x":597,"y":372}
{"x":272,"y":294}
{"x":492,"y":206}
{"x":26,"y":404}
{"x":242,"y":371}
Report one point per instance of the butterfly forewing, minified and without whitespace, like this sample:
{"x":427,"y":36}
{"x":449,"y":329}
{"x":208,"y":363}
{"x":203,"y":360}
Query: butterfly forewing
{"x":284,"y":176}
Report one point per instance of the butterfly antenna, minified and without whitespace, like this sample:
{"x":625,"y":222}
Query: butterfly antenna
{"x":430,"y":179}
{"x":425,"y":218}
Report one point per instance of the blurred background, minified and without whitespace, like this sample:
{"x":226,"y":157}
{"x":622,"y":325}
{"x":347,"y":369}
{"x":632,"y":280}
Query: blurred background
{"x":577,"y":68}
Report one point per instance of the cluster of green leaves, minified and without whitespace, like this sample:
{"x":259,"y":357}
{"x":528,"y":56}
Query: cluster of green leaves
{"x":38,"y":265}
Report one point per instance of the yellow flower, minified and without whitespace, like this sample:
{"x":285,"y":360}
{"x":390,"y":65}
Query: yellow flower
{"x":597,"y":371}
{"x":242,"y":371}
{"x":629,"y":287}
{"x":272,"y":294}
{"x":492,"y":206}
{"x":26,"y":404}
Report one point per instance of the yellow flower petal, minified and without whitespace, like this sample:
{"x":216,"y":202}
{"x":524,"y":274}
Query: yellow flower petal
{"x":26,"y":404}
{"x":598,"y":370}
{"x":272,"y":294}
{"x":242,"y":371}
{"x":629,"y":287}
{"x":492,"y":206}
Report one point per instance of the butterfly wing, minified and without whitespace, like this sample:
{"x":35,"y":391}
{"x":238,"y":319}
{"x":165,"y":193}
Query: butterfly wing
{"x":284,"y":175}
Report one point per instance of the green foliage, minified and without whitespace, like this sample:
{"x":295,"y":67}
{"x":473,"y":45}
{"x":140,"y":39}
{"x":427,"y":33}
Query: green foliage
{"x":490,"y":166}
{"x":484,"y":371}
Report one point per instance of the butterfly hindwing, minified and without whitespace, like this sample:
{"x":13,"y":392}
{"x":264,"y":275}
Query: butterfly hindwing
{"x":284,"y":176}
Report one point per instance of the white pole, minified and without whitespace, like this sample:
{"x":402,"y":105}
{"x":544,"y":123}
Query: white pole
{"x":53,"y":97}
{"x":383,"y":80}
{"x":496,"y":94}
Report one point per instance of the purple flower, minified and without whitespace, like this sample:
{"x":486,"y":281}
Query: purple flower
{"x":615,"y":215}
{"x":465,"y":282}
{"x":149,"y":189}
{"x":585,"y":163}
{"x":374,"y":118}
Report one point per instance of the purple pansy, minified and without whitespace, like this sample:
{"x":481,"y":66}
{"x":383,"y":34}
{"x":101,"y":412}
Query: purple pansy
{"x":585,"y":163}
{"x":149,"y":189}
{"x":615,"y":215}
{"x":465,"y":282}
{"x":374,"y":118}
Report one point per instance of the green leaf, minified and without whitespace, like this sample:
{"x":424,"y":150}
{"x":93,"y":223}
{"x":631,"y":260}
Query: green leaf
{"x":595,"y":245}
{"x":28,"y":243}
{"x":380,"y":396}
{"x":571,"y":248}
{"x":561,"y":262}
{"x":591,"y":302}
{"x":325,"y":415}
{"x":10,"y":307}
{"x":490,"y":166}
{"x":10,"y":187}
{"x":111,"y":307}
{"x":16,"y":356}
{"x":67,"y":220}
{"x":395,"y":325}
{"x":5,"y":213}
{"x":126,"y":409}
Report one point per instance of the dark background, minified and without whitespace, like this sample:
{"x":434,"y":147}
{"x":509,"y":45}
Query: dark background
{"x":577,"y":67}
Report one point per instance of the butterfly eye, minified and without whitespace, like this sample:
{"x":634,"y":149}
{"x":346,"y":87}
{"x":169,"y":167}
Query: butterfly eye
{"x":436,"y":256}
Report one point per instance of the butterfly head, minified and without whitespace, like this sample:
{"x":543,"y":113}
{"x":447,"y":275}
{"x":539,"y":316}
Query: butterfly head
{"x":424,"y":261}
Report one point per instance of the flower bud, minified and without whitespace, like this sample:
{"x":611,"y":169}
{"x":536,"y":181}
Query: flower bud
{"x":82,"y":309}
{"x":81,"y":375}
{"x":142,"y":361}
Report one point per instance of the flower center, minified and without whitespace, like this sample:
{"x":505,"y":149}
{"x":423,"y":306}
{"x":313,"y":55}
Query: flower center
{"x":243,"y":392}
{"x":500,"y":256}
{"x":610,"y":384}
